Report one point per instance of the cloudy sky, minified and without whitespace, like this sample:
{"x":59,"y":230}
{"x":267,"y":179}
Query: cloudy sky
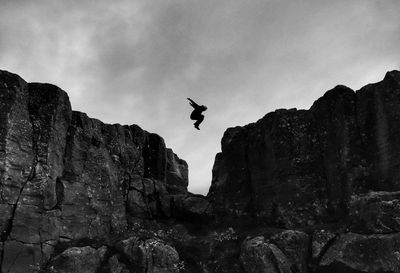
{"x":136,"y":62}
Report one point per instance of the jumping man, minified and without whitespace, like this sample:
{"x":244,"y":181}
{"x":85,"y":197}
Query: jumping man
{"x":196,"y":114}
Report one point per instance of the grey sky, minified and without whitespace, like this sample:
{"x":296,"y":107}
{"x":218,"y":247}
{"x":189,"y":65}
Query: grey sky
{"x":137,"y":61}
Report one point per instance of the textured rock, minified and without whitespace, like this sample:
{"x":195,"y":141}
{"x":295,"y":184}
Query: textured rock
{"x":177,"y":174}
{"x":363,"y":253}
{"x":106,"y":173}
{"x":297,"y":168}
{"x":151,"y":255}
{"x":33,"y":144}
{"x":192,"y":208}
{"x":67,"y":177}
{"x":375,"y":212}
{"x":21,"y":257}
{"x":378,"y":119}
{"x":295,"y":245}
{"x":335,"y":119}
{"x":70,"y":184}
{"x":77,"y":259}
{"x":115,"y":266}
{"x":258,"y":256}
{"x":321,"y":240}
{"x":202,"y":249}
{"x":16,"y":157}
{"x":270,"y":171}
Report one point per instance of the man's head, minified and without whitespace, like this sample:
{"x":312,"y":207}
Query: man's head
{"x":203,"y":107}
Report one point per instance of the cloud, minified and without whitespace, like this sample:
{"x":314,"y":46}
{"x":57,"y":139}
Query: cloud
{"x":137,"y":61}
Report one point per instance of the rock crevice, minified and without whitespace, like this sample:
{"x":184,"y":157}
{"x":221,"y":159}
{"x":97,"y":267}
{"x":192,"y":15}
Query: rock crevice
{"x":299,"y":191}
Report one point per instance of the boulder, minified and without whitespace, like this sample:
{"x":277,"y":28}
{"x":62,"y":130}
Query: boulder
{"x":259,"y":256}
{"x":150,"y":255}
{"x":375,"y":212}
{"x":77,"y":259}
{"x":295,"y":245}
{"x":192,"y":208}
{"x":353,"y":252}
{"x":321,"y":240}
{"x":115,"y":266}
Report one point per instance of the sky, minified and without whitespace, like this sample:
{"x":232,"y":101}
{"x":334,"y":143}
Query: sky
{"x":136,"y":61}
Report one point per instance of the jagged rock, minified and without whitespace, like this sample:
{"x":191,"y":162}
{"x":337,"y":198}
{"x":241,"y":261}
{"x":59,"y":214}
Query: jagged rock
{"x":115,"y":266}
{"x":177,"y":174}
{"x":16,"y":156}
{"x":258,"y":256}
{"x":321,"y":239}
{"x":342,"y":161}
{"x":148,"y":198}
{"x":33,"y":132}
{"x":353,"y":252}
{"x":21,"y":257}
{"x":151,"y":255}
{"x":67,"y":177}
{"x":121,"y":172}
{"x":375,"y":212}
{"x":67,"y":181}
{"x":215,"y":251}
{"x":50,"y":115}
{"x":378,"y":119}
{"x":295,"y":245}
{"x":92,"y":190}
{"x":271,"y":171}
{"x":296,"y":168}
{"x":192,"y":208}
{"x":77,"y":259}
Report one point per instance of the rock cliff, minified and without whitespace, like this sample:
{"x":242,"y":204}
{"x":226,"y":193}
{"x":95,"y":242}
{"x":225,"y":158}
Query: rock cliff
{"x":331,"y":171}
{"x":67,"y":178}
{"x":298,"y":191}
{"x":296,"y":168}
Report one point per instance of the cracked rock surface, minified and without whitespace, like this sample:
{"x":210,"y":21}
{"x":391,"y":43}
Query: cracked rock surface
{"x":299,"y":191}
{"x":68,"y":178}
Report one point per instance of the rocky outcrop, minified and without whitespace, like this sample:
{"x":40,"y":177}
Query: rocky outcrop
{"x":334,"y":166}
{"x":260,"y":256}
{"x":150,"y":256}
{"x":363,"y":253}
{"x":66,"y":177}
{"x":296,"y":168}
{"x":192,"y":208}
{"x":299,"y":191}
{"x":295,"y":245}
{"x":321,"y":240}
{"x":77,"y":259}
{"x":375,"y":213}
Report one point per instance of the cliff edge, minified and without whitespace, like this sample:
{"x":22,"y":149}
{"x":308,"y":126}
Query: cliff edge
{"x":297,"y":191}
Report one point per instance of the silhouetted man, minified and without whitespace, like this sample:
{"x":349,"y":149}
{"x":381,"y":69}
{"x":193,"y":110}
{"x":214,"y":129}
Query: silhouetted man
{"x":196,"y":114}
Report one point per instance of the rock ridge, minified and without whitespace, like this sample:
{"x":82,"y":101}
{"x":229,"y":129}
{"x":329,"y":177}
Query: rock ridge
{"x":298,"y":191}
{"x":344,"y":144}
{"x":66,"y":177}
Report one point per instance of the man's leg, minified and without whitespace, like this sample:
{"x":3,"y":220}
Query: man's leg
{"x":197,"y":123}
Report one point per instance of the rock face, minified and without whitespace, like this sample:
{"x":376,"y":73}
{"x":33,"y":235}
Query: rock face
{"x":299,"y":191}
{"x":67,"y":177}
{"x":333,"y":166}
{"x":77,"y":259}
{"x":151,"y":255}
{"x":362,"y":253}
{"x":297,"y":168}
{"x":260,"y":256}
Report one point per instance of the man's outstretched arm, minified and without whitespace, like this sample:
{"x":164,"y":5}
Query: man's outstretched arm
{"x":192,"y":103}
